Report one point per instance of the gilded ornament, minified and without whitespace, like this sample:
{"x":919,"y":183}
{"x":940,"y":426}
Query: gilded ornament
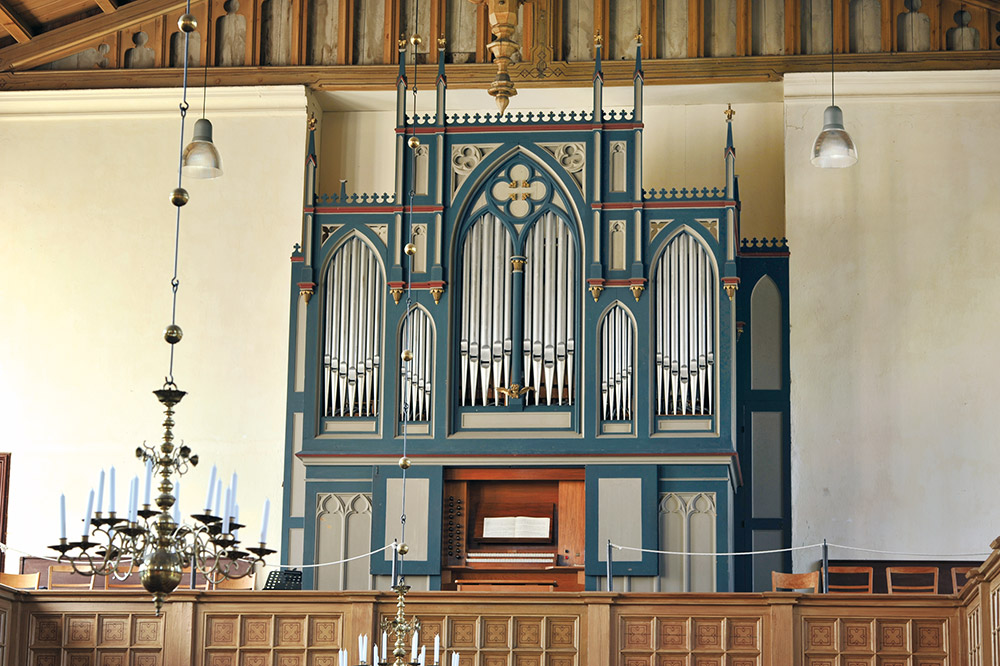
{"x":173,"y":334}
{"x":729,"y":112}
{"x":413,"y":142}
{"x":396,"y":294}
{"x":637,"y":291}
{"x":410,"y":249}
{"x":437,"y":292}
{"x":404,"y":463}
{"x":515,"y":391}
{"x":407,"y":355}
{"x":595,"y":291}
{"x":187,"y":23}
{"x":179,"y":197}
{"x":416,"y":39}
{"x":403,"y":549}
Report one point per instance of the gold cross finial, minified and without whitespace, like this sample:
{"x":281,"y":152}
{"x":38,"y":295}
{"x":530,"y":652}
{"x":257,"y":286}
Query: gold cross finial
{"x":598,"y":40}
{"x":729,"y":113}
{"x":638,"y":37}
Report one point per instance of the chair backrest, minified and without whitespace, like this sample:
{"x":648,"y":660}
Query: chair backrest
{"x":245,"y":583}
{"x":958,"y":578}
{"x":850,"y":579}
{"x":62,"y":576}
{"x":131,"y":582}
{"x":20,"y":581}
{"x":911,"y":580}
{"x":790,"y":581}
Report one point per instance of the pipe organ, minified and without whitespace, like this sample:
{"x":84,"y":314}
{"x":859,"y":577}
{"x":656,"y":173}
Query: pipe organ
{"x":352,"y":349}
{"x":684,"y":312}
{"x":564,"y":357}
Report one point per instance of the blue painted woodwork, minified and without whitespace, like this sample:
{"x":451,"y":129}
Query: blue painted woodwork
{"x":651,"y":218}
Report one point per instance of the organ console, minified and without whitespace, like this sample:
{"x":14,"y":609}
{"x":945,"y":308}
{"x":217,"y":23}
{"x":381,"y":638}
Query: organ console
{"x":513,"y":529}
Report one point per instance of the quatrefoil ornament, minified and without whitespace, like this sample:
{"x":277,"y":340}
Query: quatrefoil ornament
{"x":520,"y":193}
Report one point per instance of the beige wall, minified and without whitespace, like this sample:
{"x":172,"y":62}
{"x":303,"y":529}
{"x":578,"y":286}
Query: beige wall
{"x":894,"y":316}
{"x":85,"y":268}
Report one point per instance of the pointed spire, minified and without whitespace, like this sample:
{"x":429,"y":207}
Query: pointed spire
{"x":730,"y":154}
{"x":441,"y":44}
{"x":638,"y":56}
{"x":401,"y":45}
{"x":729,"y":129}
{"x":598,"y":46}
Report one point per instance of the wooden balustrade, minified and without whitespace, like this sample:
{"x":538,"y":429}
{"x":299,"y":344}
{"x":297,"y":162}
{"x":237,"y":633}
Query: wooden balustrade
{"x":559,"y":629}
{"x":263,"y":42}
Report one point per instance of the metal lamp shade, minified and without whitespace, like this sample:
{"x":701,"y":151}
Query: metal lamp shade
{"x":834,"y":148}
{"x":201,"y":159}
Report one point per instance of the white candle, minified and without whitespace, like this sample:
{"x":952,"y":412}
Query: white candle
{"x":149,"y":482}
{"x":423,"y":655}
{"x":131,"y":500}
{"x":232,"y":488}
{"x":225,"y":517}
{"x":364,"y":649}
{"x":100,"y":491}
{"x":385,"y":652}
{"x":361,"y":648}
{"x":111,"y":491}
{"x":211,"y":487}
{"x":263,"y":527}
{"x":413,"y":648}
{"x":437,"y":648}
{"x":454,"y":659}
{"x":62,"y":516}
{"x":177,"y":502}
{"x":236,"y":519}
{"x":375,"y":660}
{"x":90,"y":512}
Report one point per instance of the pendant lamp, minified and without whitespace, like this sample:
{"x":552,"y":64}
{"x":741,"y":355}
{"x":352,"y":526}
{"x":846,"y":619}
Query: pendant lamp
{"x":834,"y":148}
{"x":201,"y":158}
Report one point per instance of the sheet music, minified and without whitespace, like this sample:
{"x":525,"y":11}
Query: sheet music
{"x":516,"y":527}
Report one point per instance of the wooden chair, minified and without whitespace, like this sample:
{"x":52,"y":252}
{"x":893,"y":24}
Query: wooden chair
{"x":245,"y":583}
{"x":847,"y":574}
{"x":20,"y":581}
{"x":132,"y":582}
{"x":958,"y":578}
{"x":62,"y":577}
{"x":915,"y":580}
{"x":791,"y":581}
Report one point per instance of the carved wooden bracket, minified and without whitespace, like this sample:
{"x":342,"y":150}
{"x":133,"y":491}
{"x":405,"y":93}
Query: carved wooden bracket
{"x":503,"y":22}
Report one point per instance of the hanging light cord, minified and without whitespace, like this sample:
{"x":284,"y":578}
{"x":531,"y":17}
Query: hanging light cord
{"x":174,"y":282}
{"x":832,"y":50}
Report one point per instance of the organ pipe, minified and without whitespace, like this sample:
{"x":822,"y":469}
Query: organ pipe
{"x":617,"y":351}
{"x":417,"y":335}
{"x":352,"y":341}
{"x":684,"y":329}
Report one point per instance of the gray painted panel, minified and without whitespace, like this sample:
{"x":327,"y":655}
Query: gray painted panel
{"x":616,"y":500}
{"x":766,"y":368}
{"x":768,"y":491}
{"x":763,"y":565}
{"x":418,"y":492}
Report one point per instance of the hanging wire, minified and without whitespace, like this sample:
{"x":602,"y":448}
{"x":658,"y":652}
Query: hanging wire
{"x":174,"y":282}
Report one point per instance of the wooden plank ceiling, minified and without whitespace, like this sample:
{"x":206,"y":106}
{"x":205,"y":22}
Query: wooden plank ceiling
{"x":52,"y":44}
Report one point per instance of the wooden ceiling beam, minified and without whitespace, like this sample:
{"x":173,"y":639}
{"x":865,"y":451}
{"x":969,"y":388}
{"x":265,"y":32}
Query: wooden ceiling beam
{"x":69,"y":39}
{"x":107,"y":6}
{"x":13,"y":24}
{"x":576,"y":74}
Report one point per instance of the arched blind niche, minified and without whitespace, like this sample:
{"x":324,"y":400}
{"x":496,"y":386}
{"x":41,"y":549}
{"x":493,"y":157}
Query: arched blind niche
{"x":684,"y":307}
{"x":485,"y":343}
{"x":550,"y":306}
{"x":417,"y":374}
{"x":352,"y":340}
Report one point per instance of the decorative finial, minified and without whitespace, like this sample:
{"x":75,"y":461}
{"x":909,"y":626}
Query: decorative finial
{"x":729,"y":113}
{"x":311,"y":123}
{"x":598,"y":40}
{"x":638,"y":37}
{"x":401,"y":43}
{"x":442,"y":42}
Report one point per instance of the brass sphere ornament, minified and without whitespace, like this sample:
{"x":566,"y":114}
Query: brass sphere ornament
{"x":413,"y":142}
{"x":404,"y":463}
{"x":187,"y":23}
{"x":403,"y":549}
{"x":410,"y":249}
{"x":179,"y":197}
{"x":173,"y":334}
{"x":407,"y":355}
{"x":416,"y":39}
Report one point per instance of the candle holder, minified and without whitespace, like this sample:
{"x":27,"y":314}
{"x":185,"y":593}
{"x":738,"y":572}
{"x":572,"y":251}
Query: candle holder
{"x":154,"y":544}
{"x":400,"y":627}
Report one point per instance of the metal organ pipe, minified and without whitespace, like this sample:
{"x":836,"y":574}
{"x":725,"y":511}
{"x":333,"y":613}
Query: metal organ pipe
{"x":618,"y":352}
{"x":685,"y":330}
{"x":417,"y":335}
{"x":549,"y":311}
{"x":485,"y":346}
{"x":353,"y":337}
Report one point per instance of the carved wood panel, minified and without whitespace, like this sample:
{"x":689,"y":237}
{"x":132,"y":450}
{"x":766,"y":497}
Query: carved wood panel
{"x":861,"y":640}
{"x":292,"y":639}
{"x":94,"y":639}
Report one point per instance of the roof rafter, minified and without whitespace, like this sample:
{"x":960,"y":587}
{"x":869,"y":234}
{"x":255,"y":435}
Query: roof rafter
{"x":11,"y":22}
{"x":70,"y":38}
{"x":107,"y":6}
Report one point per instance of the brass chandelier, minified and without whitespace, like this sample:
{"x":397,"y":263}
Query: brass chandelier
{"x":150,"y":538}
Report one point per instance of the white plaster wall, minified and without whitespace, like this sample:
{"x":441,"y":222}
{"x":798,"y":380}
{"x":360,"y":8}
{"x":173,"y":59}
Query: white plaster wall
{"x":85,"y":266}
{"x":894,"y":314}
